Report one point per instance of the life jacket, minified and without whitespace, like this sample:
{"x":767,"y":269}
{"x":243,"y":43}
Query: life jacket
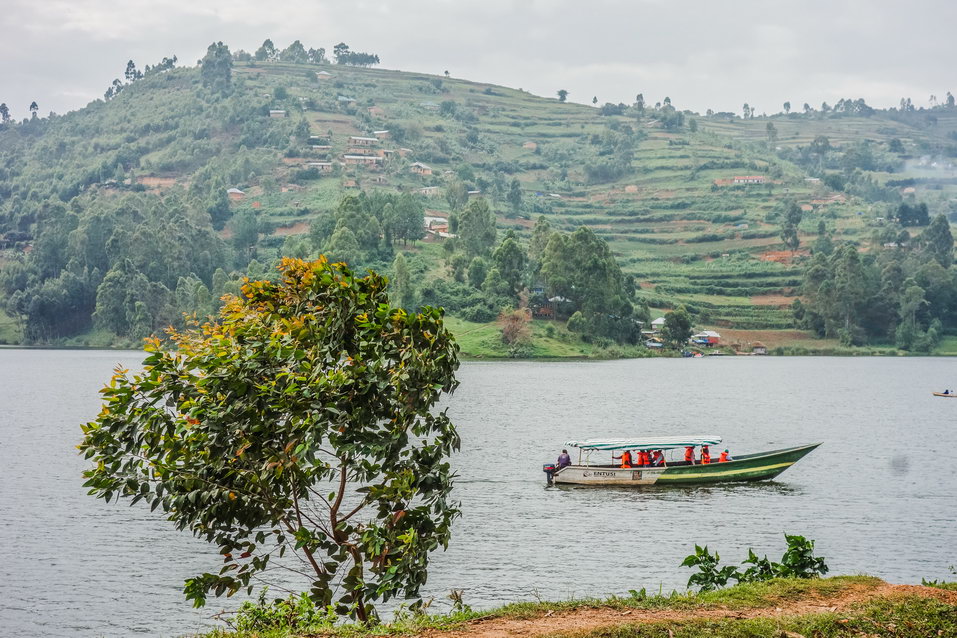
{"x":705,"y":457}
{"x":689,"y":455}
{"x":642,"y":458}
{"x":723,"y":458}
{"x":626,"y":459}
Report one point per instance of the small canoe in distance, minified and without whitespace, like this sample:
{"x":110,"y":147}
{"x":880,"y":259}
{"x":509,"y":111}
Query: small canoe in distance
{"x":946,"y":395}
{"x":746,"y":467}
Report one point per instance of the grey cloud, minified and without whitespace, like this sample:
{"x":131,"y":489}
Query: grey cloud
{"x":702,"y":54}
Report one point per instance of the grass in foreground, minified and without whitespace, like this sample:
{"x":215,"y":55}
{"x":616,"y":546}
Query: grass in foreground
{"x":912,"y":616}
{"x":779,"y":593}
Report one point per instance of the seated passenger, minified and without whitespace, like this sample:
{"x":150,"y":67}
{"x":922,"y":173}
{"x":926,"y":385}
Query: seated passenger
{"x":642,"y":458}
{"x":625,"y":458}
{"x":563,"y":460}
{"x":689,"y":454}
{"x":657,"y":458}
{"x":725,"y":457}
{"x":705,"y":455}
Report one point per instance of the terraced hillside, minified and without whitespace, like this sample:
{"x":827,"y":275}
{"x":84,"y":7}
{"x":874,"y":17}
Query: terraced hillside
{"x":691,"y":205}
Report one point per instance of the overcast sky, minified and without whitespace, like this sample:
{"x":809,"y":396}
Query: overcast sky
{"x":703,"y":54}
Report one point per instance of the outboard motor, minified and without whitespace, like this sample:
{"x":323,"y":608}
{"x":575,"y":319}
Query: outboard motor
{"x":549,"y":469}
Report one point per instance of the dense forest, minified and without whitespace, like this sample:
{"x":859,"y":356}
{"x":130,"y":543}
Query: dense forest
{"x":121,"y":218}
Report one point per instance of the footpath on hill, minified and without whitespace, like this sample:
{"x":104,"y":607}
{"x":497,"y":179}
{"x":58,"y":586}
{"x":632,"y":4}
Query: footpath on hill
{"x":854,"y":601}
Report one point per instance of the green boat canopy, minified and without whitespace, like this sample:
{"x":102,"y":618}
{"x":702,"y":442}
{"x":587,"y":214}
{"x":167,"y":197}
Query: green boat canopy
{"x":646,"y":443}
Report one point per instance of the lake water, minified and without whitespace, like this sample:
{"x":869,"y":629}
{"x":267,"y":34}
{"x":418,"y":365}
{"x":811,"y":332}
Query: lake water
{"x":878,"y":496}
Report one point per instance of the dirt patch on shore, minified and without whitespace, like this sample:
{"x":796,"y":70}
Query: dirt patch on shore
{"x":588,"y":619}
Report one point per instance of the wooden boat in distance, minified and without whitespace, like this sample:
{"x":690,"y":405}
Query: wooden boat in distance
{"x":746,"y":467}
{"x":947,"y":395}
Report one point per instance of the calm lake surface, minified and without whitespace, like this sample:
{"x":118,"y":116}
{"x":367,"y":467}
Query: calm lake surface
{"x":878,"y":496}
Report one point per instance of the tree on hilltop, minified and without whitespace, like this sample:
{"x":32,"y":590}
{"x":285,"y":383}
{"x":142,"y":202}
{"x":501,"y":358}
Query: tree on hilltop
{"x":562,"y":95}
{"x":216,"y":68}
{"x":4,"y":113}
{"x":302,"y":421}
{"x":266,"y":52}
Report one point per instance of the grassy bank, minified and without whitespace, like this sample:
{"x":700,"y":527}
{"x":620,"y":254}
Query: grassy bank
{"x":839,"y":606}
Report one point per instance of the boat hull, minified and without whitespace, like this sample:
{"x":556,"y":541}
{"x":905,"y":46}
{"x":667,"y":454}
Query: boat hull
{"x":750,"y":467}
{"x":946,"y":396}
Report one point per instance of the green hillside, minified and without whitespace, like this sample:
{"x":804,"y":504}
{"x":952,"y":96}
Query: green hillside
{"x":131,"y":193}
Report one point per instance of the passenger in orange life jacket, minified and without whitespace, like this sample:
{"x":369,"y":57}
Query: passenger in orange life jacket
{"x":689,"y":454}
{"x":642,"y":458}
{"x":724,"y":458}
{"x":657,"y":458}
{"x":705,"y":455}
{"x":625,"y":458}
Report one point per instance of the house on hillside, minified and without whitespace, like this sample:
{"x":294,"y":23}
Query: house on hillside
{"x":429,"y":191}
{"x":530,"y":145}
{"x":355,"y":140}
{"x":749,"y":179}
{"x":758,"y":348}
{"x":404,"y":152}
{"x":429,"y":105}
{"x":277,"y":113}
{"x":421,"y":169}
{"x":376,"y":111}
{"x":235,"y":195}
{"x":381,"y":135}
{"x":361,"y":160}
{"x":658,"y":324}
{"x":323,"y":75}
{"x":345,"y":100}
{"x":473,"y":194}
{"x":322,"y":167}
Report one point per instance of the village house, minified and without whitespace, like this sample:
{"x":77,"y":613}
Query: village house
{"x":355,"y":140}
{"x":235,"y":195}
{"x":362,"y":160}
{"x":658,"y":324}
{"x":530,"y":145}
{"x":322,"y":167}
{"x":472,"y":194}
{"x":277,"y":113}
{"x":350,"y":183}
{"x":708,"y":338}
{"x":381,"y":135}
{"x":291,"y":188}
{"x":403,"y":152}
{"x":379,"y":179}
{"x":429,"y":191}
{"x":323,"y":75}
{"x":362,"y":150}
{"x":421,"y":169}
{"x":758,"y":348}
{"x":376,"y":111}
{"x":386,"y":153}
{"x":429,"y":105}
{"x":342,"y":99}
{"x":749,"y":179}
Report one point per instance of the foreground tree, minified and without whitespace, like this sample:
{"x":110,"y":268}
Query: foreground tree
{"x":301,"y":422}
